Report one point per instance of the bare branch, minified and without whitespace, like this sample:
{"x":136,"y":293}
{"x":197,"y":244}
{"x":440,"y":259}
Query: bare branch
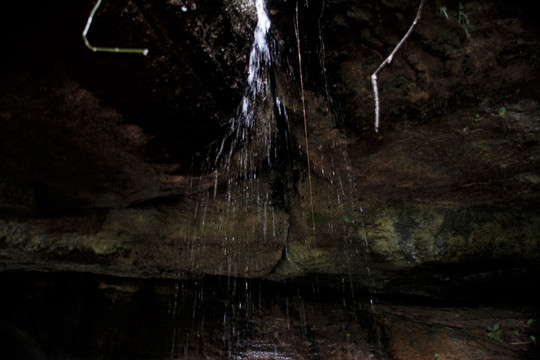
{"x":388,"y":60}
{"x":106,"y":49}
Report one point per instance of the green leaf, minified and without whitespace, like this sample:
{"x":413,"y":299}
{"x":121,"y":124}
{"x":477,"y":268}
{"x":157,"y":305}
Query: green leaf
{"x":444,"y":12}
{"x":529,"y":322}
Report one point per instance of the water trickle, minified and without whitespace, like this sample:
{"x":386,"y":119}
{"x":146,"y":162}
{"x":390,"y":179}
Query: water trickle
{"x":260,"y":52}
{"x":252,"y":130}
{"x":239,"y":167}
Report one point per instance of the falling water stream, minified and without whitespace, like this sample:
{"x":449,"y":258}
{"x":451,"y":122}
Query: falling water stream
{"x":249,"y":145}
{"x":236,"y":316}
{"x":249,"y":124}
{"x":228,"y":306}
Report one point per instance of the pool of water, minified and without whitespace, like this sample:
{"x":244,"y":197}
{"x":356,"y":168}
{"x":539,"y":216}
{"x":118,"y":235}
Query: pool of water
{"x":82,"y":316}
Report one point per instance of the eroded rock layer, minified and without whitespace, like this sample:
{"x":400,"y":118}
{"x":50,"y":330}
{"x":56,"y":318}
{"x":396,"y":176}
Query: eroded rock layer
{"x":108,"y":161}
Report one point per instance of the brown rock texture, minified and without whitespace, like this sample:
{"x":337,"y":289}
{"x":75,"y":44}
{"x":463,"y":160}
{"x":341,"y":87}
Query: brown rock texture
{"x":108,"y":161}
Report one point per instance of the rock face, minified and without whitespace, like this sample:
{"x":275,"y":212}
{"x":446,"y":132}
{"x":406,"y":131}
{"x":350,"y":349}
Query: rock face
{"x":108,"y":161}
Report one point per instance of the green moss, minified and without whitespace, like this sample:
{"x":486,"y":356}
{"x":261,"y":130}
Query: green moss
{"x":102,"y":246}
{"x":382,"y":237}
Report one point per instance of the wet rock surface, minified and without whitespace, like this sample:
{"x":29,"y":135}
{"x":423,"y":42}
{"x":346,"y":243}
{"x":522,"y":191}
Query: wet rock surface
{"x":80,"y":316}
{"x":107,"y":160}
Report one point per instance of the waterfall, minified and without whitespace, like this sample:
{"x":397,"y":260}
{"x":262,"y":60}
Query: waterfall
{"x":259,"y":57}
{"x":259,"y":50}
{"x":251,"y":129}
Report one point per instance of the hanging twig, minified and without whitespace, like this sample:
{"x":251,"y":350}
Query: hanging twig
{"x":106,"y":49}
{"x":388,"y":60}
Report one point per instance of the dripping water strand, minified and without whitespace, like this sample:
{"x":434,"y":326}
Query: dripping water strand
{"x":376,"y":342}
{"x":241,"y":125}
{"x":297,"y":32}
{"x":259,"y":55}
{"x":322,"y":55}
